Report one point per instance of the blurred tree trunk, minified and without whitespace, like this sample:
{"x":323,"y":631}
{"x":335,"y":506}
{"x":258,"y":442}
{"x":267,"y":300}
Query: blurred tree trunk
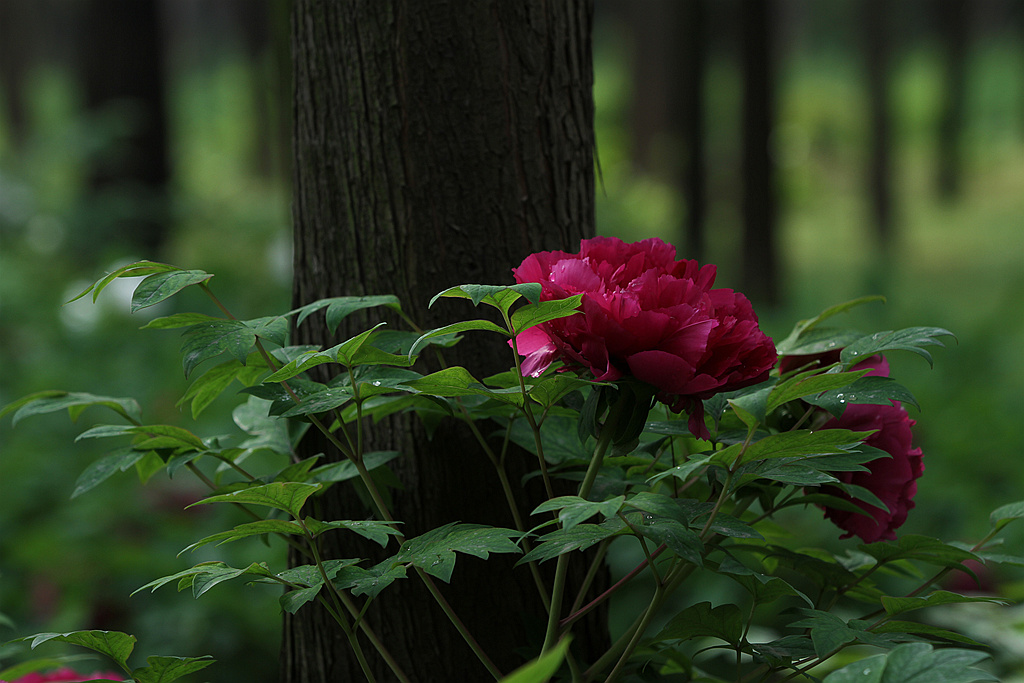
{"x":123,"y":79}
{"x":666,"y":107}
{"x":875,"y":20}
{"x":954,"y":24}
{"x":687,"y":107}
{"x":436,"y":143}
{"x":760,"y":260}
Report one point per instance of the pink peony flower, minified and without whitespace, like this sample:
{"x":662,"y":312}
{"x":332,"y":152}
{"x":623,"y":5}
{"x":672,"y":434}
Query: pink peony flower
{"x":647,"y":315}
{"x":893,"y":480}
{"x":66,"y":676}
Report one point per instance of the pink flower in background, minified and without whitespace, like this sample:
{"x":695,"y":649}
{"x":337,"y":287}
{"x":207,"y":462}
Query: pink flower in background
{"x":66,"y":676}
{"x":647,"y":315}
{"x":893,"y":480}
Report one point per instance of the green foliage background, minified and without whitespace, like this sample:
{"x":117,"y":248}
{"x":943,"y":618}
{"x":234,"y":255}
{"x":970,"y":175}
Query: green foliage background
{"x":958,"y":265}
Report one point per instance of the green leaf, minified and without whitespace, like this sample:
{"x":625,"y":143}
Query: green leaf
{"x":179,"y":320}
{"x":320,"y":402}
{"x":908,"y":339}
{"x":212,"y":383}
{"x":572,"y":509}
{"x":790,"y":344}
{"x":434,"y":551}
{"x":273,"y":328}
{"x":288,"y":496}
{"x":338,"y":308}
{"x":561,"y":541}
{"x":500,"y":296}
{"x":208,"y":340}
{"x":346,"y":469}
{"x":724,"y":622}
{"x":679,"y":538}
{"x":160,"y":286}
{"x":920,"y":548}
{"x":457,"y":381}
{"x":348,"y":348}
{"x":137,"y":269}
{"x":375,"y":530}
{"x":683,"y":472}
{"x":800,"y":443}
{"x":811,"y":384}
{"x":101,"y":470}
{"x":541,"y":312}
{"x":369,"y":582}
{"x":541,"y":670}
{"x":53,"y":400}
{"x":915,"y":663}
{"x":206,"y":575}
{"x":114,"y":644}
{"x":549,"y":390}
{"x":1002,"y":516}
{"x":259,"y":528}
{"x":455,"y":328}
{"x":927,"y":630}
{"x":894,"y":606}
{"x":828,"y":631}
{"x":867,"y":390}
{"x":167,"y":669}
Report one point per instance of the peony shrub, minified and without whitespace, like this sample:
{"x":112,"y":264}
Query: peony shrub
{"x":689,"y":492}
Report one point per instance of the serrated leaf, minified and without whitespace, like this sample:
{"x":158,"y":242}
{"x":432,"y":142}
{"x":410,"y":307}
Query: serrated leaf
{"x":434,"y":551}
{"x":573,"y":510}
{"x":288,"y":496}
{"x":114,"y":644}
{"x":908,"y":339}
{"x":160,"y":286}
{"x":101,"y":470}
{"x":369,"y":582}
{"x":562,"y":541}
{"x":724,"y":622}
{"x":166,"y":669}
{"x":500,"y":296}
{"x":209,"y":340}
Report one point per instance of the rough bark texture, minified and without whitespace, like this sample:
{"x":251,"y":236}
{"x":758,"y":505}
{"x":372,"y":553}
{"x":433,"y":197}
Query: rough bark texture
{"x":436,"y":143}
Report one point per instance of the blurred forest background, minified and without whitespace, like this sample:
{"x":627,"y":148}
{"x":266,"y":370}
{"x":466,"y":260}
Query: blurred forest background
{"x":816,"y":150}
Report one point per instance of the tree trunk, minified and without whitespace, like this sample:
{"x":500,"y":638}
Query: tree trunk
{"x":436,"y":143}
{"x":760,"y":260}
{"x":876,"y":28}
{"x":122,"y":64}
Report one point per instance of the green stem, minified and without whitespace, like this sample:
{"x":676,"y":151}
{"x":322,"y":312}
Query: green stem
{"x":459,"y":626}
{"x":561,"y":569}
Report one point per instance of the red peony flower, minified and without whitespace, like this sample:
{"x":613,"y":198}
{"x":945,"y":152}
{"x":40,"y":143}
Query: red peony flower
{"x":893,"y":480}
{"x":66,"y":676}
{"x":647,"y":315}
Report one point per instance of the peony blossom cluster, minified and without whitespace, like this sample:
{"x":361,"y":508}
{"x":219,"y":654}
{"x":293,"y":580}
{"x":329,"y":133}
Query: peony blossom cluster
{"x":892,"y":479}
{"x":66,"y":676}
{"x":649,"y":316}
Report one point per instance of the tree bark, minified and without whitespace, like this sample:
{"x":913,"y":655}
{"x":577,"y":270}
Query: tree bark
{"x":436,"y":143}
{"x":760,"y":258}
